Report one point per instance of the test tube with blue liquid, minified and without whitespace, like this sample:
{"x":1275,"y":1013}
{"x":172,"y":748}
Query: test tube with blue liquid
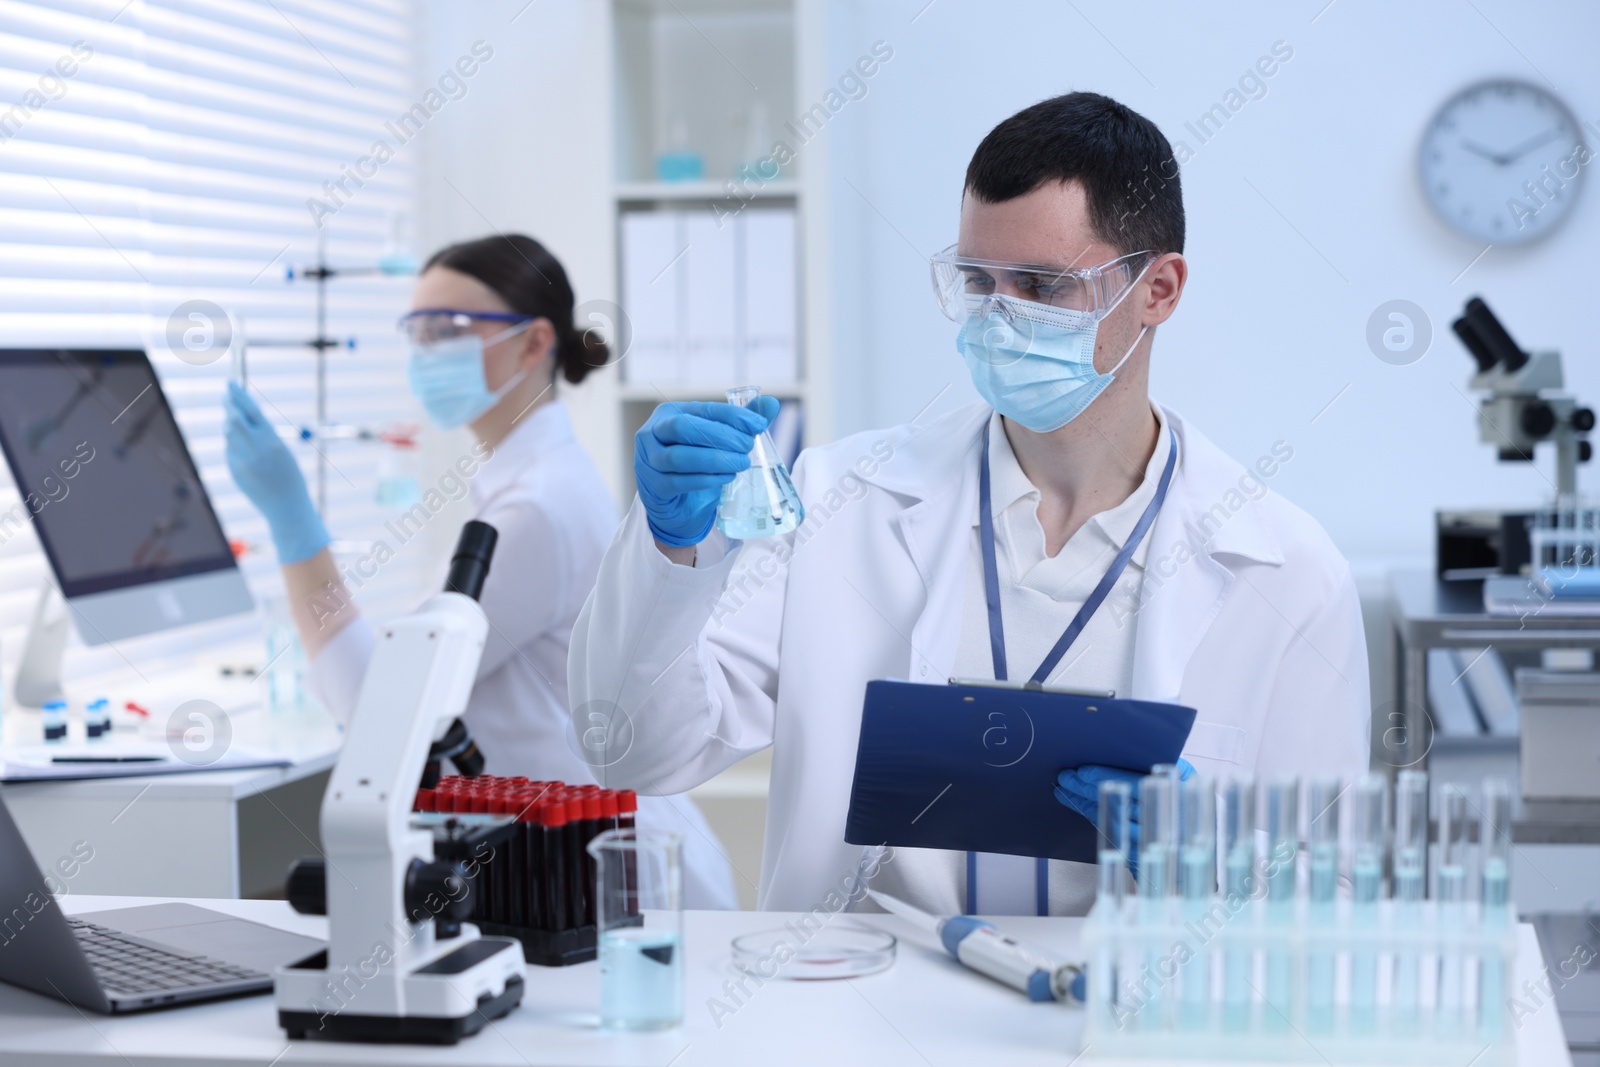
{"x":1116,"y":803}
{"x":1239,"y":859}
{"x":1197,"y":863}
{"x":1283,"y":846}
{"x":1369,"y":824}
{"x":1158,"y":845}
{"x":760,"y":501}
{"x":1452,"y":917}
{"x":1410,"y":887}
{"x":1494,"y":843}
{"x":1324,"y":884}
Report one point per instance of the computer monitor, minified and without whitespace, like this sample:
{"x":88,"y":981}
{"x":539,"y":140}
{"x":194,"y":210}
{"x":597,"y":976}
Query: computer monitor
{"x":113,"y":493}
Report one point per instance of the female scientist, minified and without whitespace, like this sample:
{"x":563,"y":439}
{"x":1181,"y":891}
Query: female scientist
{"x":490,"y":330}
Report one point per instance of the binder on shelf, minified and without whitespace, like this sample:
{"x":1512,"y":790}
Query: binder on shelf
{"x":711,"y":305}
{"x":652,"y":280}
{"x":769,"y":293}
{"x":710,"y":312}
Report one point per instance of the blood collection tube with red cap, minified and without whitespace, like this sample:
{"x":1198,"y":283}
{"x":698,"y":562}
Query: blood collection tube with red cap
{"x":524,"y":898}
{"x":553,"y":823}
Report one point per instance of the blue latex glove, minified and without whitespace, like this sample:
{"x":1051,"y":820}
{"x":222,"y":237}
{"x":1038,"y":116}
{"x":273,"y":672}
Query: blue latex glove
{"x":684,"y":455}
{"x":1080,"y":790}
{"x":265,"y":471}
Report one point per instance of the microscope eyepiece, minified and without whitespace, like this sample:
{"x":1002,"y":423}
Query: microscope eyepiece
{"x":1469,"y":337}
{"x":469,"y":567}
{"x":1493,"y":337}
{"x":469,"y":564}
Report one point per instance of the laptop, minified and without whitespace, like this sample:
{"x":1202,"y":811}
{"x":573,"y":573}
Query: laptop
{"x":128,"y":959}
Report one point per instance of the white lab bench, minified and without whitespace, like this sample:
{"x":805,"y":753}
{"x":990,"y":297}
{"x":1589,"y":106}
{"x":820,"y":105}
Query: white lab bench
{"x":924,"y":1010}
{"x":196,"y":833}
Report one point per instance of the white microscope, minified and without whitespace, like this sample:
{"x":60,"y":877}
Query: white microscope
{"x":1523,"y":406}
{"x":401,"y":965}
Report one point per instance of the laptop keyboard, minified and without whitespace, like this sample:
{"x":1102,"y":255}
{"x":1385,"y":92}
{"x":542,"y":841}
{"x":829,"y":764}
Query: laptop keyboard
{"x":126,"y":966}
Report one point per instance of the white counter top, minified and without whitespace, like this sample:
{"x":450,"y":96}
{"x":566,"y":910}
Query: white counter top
{"x":924,"y":1010}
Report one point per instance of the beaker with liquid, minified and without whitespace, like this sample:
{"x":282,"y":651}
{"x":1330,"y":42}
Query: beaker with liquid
{"x":761,"y":501}
{"x":638,"y":896}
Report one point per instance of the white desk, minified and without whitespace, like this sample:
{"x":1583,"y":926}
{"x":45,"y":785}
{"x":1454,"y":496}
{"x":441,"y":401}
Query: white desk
{"x":924,"y":1010}
{"x":168,"y":834}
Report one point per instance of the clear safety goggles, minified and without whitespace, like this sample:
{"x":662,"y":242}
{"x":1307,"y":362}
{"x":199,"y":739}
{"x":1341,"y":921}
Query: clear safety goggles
{"x":430,"y":325}
{"x":962,"y":284}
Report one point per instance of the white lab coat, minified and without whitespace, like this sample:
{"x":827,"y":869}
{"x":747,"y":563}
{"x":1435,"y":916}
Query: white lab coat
{"x":541,"y":492}
{"x":771,"y":642}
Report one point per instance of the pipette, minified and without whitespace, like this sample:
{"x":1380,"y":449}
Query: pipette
{"x":981,"y":947}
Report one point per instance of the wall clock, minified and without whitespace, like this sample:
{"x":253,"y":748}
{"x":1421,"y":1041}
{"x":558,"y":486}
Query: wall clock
{"x":1502,"y":162}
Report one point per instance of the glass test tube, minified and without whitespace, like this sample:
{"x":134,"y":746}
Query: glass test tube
{"x":1169,"y":771}
{"x":1452,"y":894}
{"x":1158,"y":842}
{"x":1116,"y":806}
{"x":1116,"y":800}
{"x":1323,"y":796}
{"x":1158,"y":838}
{"x":1411,"y":836}
{"x":1410,"y":886}
{"x":1239,"y":856}
{"x":1197,"y":830}
{"x":1283,"y":845}
{"x":1369,"y":824}
{"x":1197,"y":862}
{"x":1494,"y":840}
{"x":1324,"y":850}
{"x":1494,"y":843}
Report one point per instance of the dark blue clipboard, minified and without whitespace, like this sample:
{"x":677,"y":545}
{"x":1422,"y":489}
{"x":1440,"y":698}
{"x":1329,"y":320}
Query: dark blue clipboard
{"x":973,"y":767}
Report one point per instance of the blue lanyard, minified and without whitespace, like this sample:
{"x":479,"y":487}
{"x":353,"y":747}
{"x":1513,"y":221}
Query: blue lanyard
{"x":997,"y":635}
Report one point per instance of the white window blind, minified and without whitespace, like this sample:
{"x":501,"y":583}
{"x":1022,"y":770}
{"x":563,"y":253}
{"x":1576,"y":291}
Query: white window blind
{"x":163,"y":151}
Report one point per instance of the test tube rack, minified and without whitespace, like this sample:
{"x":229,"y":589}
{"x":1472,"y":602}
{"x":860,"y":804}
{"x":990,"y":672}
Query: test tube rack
{"x":1239,"y":979}
{"x":536,"y":882}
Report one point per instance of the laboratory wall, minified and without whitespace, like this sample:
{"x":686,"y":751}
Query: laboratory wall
{"x":526,"y":150}
{"x":1305,"y":214}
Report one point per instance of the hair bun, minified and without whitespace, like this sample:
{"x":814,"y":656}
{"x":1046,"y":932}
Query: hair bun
{"x":582,"y":352}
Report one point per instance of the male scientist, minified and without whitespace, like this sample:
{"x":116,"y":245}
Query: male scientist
{"x":1067,"y":530}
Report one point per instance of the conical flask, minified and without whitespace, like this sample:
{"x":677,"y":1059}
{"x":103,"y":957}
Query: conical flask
{"x":761,"y":501}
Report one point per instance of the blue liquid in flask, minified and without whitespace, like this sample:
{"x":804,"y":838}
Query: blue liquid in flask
{"x":761,"y":501}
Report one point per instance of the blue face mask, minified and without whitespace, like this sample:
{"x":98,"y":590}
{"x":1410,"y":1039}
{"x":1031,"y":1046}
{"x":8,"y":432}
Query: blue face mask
{"x":447,"y":377}
{"x":1034,"y":363}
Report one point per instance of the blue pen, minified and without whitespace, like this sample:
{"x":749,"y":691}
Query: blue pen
{"x":979,"y":946}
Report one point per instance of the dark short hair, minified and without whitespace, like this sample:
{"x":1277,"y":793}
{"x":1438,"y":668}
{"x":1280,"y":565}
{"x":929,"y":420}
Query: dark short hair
{"x":530,"y":280}
{"x":1125,"y":164}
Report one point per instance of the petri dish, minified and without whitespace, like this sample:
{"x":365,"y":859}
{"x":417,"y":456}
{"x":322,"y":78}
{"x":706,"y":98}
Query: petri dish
{"x":793,"y":952}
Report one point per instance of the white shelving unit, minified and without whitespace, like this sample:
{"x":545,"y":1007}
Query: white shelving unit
{"x":720,"y":79}
{"x":700,"y":65}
